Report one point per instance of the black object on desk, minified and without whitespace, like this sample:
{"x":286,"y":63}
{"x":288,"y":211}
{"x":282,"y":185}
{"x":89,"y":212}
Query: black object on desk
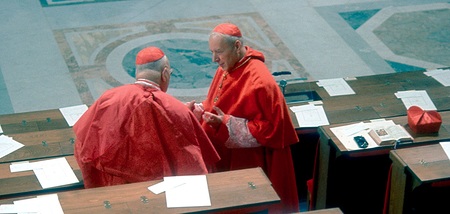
{"x":361,"y":141}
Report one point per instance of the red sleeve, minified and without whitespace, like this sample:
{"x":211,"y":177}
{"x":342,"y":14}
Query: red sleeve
{"x":274,"y":128}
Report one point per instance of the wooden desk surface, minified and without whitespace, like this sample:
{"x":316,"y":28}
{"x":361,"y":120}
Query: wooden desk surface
{"x":26,"y":183}
{"x":426,"y":163}
{"x":42,"y":144}
{"x":227,"y":190}
{"x":412,"y":167}
{"x":33,"y":121}
{"x":374,"y":96}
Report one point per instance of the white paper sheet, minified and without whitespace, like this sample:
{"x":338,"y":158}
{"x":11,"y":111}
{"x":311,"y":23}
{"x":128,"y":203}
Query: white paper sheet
{"x":50,"y":173}
{"x":193,"y":193}
{"x":21,"y":166}
{"x":12,"y":208}
{"x":446,"y":148}
{"x":310,"y":115}
{"x":336,"y":87}
{"x":165,"y":185}
{"x":1,"y":130}
{"x":8,"y":145}
{"x":55,"y":172}
{"x":346,"y":133}
{"x":417,"y":98}
{"x":44,"y":204}
{"x":73,"y":113}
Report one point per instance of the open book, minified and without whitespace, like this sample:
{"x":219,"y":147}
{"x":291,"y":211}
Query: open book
{"x":388,"y":135}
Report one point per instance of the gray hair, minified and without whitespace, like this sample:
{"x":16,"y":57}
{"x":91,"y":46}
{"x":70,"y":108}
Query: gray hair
{"x":157,"y":65}
{"x":228,"y":38}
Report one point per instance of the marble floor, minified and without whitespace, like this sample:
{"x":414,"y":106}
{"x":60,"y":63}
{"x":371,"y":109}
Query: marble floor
{"x":58,"y":53}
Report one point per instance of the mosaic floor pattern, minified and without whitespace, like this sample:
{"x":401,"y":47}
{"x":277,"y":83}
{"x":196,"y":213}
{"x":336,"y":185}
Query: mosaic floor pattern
{"x":101,"y":57}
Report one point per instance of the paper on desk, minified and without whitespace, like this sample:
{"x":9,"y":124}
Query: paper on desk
{"x":310,"y":115}
{"x":73,"y":113}
{"x":446,"y":148}
{"x":50,"y":173}
{"x":346,"y":133}
{"x":441,"y":75}
{"x":417,"y":98}
{"x":1,"y":130}
{"x":8,"y":145}
{"x":12,"y":208}
{"x":165,"y":185}
{"x":193,"y":193}
{"x":41,"y":204}
{"x":21,"y":166}
{"x":336,"y":87}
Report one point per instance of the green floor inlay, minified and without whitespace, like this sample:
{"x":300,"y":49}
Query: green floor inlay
{"x":358,"y":18}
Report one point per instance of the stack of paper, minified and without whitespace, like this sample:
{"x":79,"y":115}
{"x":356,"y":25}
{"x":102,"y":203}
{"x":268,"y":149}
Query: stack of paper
{"x":310,"y":115}
{"x":417,"y":98}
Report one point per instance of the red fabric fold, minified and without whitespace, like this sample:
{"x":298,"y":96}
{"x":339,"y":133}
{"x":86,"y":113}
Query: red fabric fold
{"x":250,"y":91}
{"x":133,"y":133}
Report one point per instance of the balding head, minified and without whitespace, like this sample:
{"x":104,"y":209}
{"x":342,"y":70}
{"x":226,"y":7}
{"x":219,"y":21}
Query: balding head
{"x":152,"y":64}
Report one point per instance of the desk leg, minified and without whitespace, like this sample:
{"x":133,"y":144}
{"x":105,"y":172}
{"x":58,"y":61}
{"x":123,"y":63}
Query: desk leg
{"x":398,"y":187}
{"x":322,"y":175}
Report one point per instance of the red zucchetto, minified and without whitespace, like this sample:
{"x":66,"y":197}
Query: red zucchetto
{"x":422,"y":122}
{"x":149,"y":54}
{"x":228,"y":29}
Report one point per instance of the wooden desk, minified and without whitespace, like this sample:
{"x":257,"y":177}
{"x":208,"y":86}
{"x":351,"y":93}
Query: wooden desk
{"x":26,"y":183}
{"x":368,"y":167}
{"x":42,"y":144}
{"x":33,"y":121}
{"x":412,"y":167}
{"x":375,"y":98}
{"x":228,"y":190}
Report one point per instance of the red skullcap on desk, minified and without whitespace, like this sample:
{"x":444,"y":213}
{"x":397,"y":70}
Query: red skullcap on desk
{"x":149,"y":54}
{"x":422,"y":122}
{"x":228,"y":29}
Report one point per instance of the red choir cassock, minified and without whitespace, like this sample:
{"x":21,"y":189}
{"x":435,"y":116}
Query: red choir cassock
{"x":136,"y":133}
{"x":251,"y":92}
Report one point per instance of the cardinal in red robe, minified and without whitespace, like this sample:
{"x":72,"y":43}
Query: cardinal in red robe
{"x":137,"y":132}
{"x":246,"y":117}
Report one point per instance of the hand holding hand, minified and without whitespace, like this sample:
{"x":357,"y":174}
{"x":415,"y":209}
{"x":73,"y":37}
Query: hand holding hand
{"x":197,"y":109}
{"x":214,"y":120}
